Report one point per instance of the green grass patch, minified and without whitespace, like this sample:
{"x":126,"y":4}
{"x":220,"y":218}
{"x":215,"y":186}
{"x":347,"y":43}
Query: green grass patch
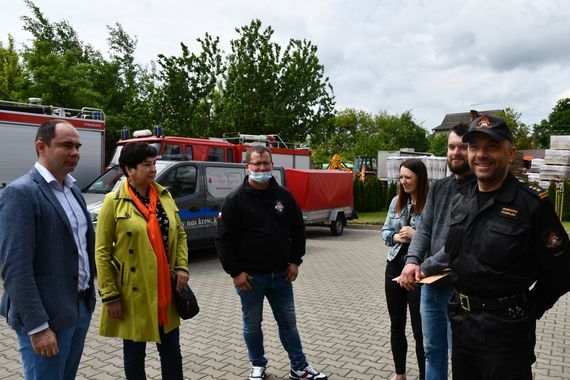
{"x":375,"y":217}
{"x":378,"y":218}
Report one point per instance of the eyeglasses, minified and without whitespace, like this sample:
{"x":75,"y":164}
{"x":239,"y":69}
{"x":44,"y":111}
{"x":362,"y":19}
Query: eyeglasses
{"x":261,"y":163}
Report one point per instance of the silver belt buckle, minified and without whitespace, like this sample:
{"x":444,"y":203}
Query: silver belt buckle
{"x":464,"y":302}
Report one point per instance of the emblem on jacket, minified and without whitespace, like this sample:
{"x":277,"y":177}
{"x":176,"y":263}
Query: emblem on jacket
{"x":279,"y":207}
{"x":553,"y":241}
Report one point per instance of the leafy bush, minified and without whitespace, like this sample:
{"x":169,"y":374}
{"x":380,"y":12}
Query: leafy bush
{"x":565,"y":199}
{"x":373,"y":195}
{"x":391,"y":193}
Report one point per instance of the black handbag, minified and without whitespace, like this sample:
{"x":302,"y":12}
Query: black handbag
{"x":185,"y":301}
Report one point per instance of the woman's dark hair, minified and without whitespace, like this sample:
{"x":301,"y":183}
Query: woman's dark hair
{"x":419,"y":169}
{"x":134,"y":153}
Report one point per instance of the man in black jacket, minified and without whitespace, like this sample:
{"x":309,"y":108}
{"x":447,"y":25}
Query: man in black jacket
{"x":261,"y":242}
{"x":510,"y":258}
{"x":426,"y":256}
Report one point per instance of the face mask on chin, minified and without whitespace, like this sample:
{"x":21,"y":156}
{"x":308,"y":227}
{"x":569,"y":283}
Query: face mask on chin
{"x":260,"y":177}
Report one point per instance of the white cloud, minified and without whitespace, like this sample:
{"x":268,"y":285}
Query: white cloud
{"x":430,"y":57}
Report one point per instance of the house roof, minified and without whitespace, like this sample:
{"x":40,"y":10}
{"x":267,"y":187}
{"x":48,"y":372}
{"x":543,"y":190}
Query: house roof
{"x":452,"y":119}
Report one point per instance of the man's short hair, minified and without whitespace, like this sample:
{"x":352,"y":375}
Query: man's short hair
{"x":459,"y":129}
{"x":135,"y":152}
{"x":257,"y":148}
{"x":46,"y":131}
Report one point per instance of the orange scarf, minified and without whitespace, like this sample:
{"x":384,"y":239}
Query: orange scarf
{"x":155,"y":237}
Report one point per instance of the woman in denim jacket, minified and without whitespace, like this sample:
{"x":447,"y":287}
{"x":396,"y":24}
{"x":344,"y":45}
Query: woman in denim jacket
{"x":399,"y":228}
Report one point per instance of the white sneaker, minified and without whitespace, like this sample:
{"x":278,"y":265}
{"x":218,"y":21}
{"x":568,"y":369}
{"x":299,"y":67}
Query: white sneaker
{"x":257,"y":373}
{"x":307,"y":373}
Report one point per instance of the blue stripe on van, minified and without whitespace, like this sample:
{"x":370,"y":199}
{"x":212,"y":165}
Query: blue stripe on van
{"x":187,"y":214}
{"x":210,"y":212}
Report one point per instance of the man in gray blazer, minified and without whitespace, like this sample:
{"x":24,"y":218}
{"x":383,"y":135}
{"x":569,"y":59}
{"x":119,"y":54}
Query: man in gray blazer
{"x":46,"y":248}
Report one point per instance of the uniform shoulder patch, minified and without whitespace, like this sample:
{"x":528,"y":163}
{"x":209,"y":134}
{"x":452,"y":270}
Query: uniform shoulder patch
{"x":553,"y":241}
{"x":537,"y":191}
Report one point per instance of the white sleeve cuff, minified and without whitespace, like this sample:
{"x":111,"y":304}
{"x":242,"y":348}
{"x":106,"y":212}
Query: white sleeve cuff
{"x":38,"y":329}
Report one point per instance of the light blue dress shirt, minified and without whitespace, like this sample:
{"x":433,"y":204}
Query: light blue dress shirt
{"x":76,"y":217}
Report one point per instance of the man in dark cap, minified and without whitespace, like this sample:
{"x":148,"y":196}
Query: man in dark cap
{"x":510,"y":258}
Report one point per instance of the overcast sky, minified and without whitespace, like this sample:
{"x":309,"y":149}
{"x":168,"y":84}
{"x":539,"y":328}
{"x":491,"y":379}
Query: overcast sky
{"x":431,"y":57}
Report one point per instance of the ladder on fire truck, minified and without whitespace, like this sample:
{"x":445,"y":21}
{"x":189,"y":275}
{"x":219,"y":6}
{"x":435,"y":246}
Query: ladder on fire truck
{"x":35,"y":106}
{"x":272,"y":141}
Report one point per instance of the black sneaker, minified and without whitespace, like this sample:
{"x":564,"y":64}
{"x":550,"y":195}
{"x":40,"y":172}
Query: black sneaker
{"x":307,"y":373}
{"x":257,"y":373}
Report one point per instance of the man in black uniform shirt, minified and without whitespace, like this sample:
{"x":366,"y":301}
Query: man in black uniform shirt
{"x":510,"y":258}
{"x":260,"y":242}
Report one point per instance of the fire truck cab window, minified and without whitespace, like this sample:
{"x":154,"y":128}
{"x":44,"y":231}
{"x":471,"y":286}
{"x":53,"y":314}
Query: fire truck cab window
{"x":180,"y":181}
{"x":216,"y":154}
{"x":188,"y":155}
{"x":172,"y":152}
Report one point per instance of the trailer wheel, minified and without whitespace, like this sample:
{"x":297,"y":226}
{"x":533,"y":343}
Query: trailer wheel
{"x":337,"y":226}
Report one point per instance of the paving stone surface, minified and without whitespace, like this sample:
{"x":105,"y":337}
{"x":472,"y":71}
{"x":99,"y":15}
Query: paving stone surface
{"x":342,"y":318}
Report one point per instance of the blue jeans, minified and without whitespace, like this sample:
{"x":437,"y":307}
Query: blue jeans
{"x":436,"y":329}
{"x":169,"y":351}
{"x":279,"y":293}
{"x":70,"y":341}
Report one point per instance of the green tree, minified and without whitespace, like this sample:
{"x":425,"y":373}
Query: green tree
{"x":267,"y":92}
{"x":391,"y":132}
{"x":186,"y":97}
{"x":340,"y":135}
{"x":125,"y":87}
{"x":58,"y":63}
{"x":558,"y":123}
{"x":63,"y":70}
{"x":358,"y":133}
{"x":438,"y":144}
{"x":522,"y":138}
{"x":541,"y":134}
{"x":252,"y":80}
{"x":12,"y":79}
{"x":306,"y":97}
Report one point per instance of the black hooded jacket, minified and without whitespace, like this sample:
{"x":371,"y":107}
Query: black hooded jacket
{"x":260,"y":230}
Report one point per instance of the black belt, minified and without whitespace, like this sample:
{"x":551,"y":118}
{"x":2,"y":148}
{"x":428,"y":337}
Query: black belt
{"x":83,"y":294}
{"x":471,"y":303}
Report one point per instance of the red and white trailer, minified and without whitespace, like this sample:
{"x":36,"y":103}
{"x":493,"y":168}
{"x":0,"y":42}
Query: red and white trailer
{"x":18,"y":126}
{"x":324,"y":196}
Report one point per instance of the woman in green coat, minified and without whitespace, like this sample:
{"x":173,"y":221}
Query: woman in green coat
{"x":140,"y":245}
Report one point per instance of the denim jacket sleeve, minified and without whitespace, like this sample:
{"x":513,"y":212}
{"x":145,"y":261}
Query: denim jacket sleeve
{"x":392,"y":224}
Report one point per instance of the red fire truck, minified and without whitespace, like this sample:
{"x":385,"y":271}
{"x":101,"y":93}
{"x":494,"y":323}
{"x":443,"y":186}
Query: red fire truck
{"x":230,"y":148}
{"x":18,"y":126}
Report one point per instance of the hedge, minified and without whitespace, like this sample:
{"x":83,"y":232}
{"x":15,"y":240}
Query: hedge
{"x":375,"y":195}
{"x":566,"y":204}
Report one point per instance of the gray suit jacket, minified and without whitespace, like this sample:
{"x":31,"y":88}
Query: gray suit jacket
{"x":39,"y":256}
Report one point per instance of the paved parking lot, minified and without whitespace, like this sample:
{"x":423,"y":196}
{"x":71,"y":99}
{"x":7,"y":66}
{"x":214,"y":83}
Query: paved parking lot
{"x":342,"y":318}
